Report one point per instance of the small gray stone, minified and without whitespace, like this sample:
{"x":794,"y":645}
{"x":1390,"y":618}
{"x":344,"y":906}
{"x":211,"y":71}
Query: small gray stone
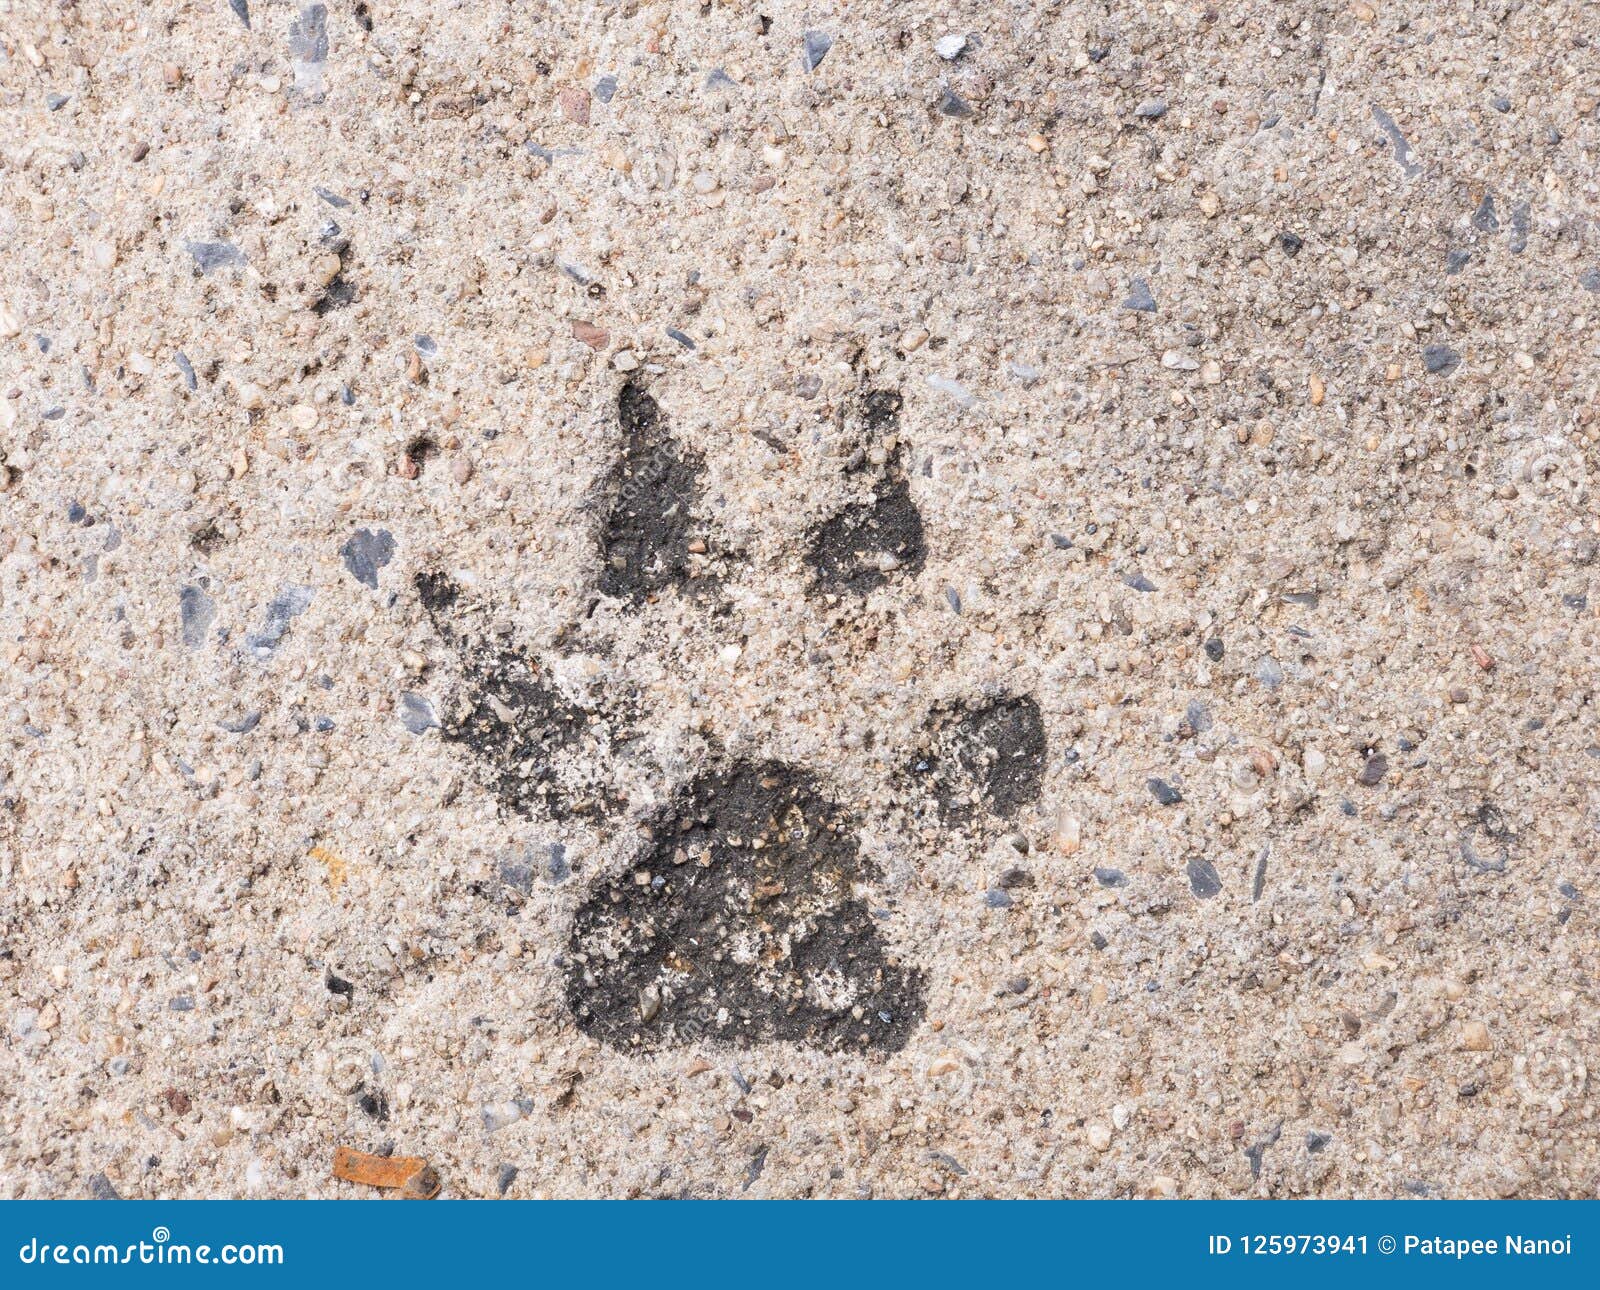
{"x":1139,"y":298}
{"x":995,"y":898}
{"x":1589,"y":279}
{"x":1440,"y":360}
{"x":286,"y":606}
{"x":211,"y":256}
{"x":241,"y":725}
{"x":1405,"y":157}
{"x":504,"y":1177}
{"x":417,"y":714}
{"x":1204,"y":880}
{"x":242,"y":9}
{"x":1110,"y":877}
{"x":1269,"y":672}
{"x":1151,"y":109}
{"x":1372,"y":773}
{"x":185,"y":368}
{"x":1484,"y":219}
{"x":1139,"y":582}
{"x":367,"y":551}
{"x":1163,"y":792}
{"x":1198,"y":716}
{"x":100,"y":1187}
{"x":952,"y":104}
{"x":180,"y":1003}
{"x":196,"y":612}
{"x":816,"y":45}
{"x":605,"y":89}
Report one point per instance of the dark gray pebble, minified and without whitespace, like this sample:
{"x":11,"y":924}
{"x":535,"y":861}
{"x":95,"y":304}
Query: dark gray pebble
{"x":605,"y":88}
{"x":1203,"y":878}
{"x":367,"y":551}
{"x":1151,"y":109}
{"x":952,"y":104}
{"x":1110,"y":877}
{"x":680,"y":337}
{"x":1377,"y":766}
{"x":995,"y":898}
{"x":1163,"y":792}
{"x":1214,"y":650}
{"x":242,"y":8}
{"x":181,"y":361}
{"x":242,"y":725}
{"x":180,"y":1003}
{"x":1198,"y":716}
{"x":1139,"y":582}
{"x":1484,"y":219}
{"x":1139,"y":298}
{"x":504,"y":1177}
{"x":1440,"y":360}
{"x":1455,"y":260}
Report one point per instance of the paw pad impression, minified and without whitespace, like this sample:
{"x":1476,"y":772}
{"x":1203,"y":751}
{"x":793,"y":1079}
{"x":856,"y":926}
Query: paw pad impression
{"x":738,"y":922}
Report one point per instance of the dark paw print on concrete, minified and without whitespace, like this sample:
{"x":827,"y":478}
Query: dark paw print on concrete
{"x":984,"y":759}
{"x":739,"y":923}
{"x":652,"y":491}
{"x":535,"y":747}
{"x":857,"y":550}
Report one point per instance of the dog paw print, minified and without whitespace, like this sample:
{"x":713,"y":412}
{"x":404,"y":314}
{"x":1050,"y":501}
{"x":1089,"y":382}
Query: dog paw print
{"x":741,"y":918}
{"x":649,"y":535}
{"x":538,"y":749}
{"x":988,"y":758}
{"x":855,"y":550}
{"x":739,"y":921}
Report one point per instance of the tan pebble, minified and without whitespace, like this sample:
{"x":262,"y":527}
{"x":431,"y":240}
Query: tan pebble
{"x":1317,"y":390}
{"x":1475,"y":1038}
{"x":592,"y":336}
{"x":1099,"y":1137}
{"x":1210,"y":204}
{"x":1481,"y":657}
{"x":1038,"y":143}
{"x":10,"y":324}
{"x":1069,"y":832}
{"x":575,"y":105}
{"x":1363,"y":12}
{"x":327,"y":268}
{"x":1161,"y":1187}
{"x":699,"y":1066}
{"x":461,"y":469}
